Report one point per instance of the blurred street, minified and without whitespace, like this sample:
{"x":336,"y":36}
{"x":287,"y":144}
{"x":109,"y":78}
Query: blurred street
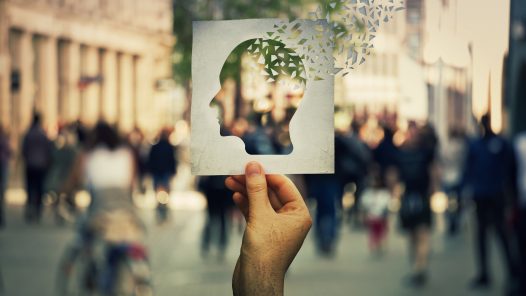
{"x":104,"y":187}
{"x":30,"y":254}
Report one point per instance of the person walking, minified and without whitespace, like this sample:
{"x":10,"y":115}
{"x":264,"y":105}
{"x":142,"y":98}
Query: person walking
{"x":353,"y":158}
{"x":37,"y":152}
{"x":452,"y":159}
{"x":375,"y":202}
{"x":415,"y":164}
{"x":107,"y":169}
{"x":218,"y":206}
{"x":5,"y":155}
{"x":137,"y":144}
{"x":162,"y":163}
{"x":487,"y":173}
{"x":385,"y":156}
{"x":64,"y":155}
{"x":520,"y":153}
{"x":325,"y":189}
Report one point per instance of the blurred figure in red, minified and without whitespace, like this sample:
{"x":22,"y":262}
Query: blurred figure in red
{"x":488,"y":175}
{"x":5,"y":155}
{"x":37,"y":152}
{"x":375,"y":203}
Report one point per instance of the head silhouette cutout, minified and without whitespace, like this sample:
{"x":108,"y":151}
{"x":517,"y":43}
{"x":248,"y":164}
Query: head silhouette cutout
{"x":262,"y":85}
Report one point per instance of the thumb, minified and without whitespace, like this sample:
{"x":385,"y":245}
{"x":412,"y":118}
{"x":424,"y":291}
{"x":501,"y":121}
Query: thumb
{"x":257,"y":194}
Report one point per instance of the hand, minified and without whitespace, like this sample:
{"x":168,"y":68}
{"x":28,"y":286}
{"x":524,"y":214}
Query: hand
{"x":277,"y":223}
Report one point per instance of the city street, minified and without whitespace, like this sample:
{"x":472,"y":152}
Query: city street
{"x":411,"y":108}
{"x":29,"y":256}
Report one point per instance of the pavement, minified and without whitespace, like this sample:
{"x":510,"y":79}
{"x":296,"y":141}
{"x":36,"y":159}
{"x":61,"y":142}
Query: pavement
{"x":29,"y":255}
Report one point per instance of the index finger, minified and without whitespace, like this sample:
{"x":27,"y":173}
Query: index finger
{"x":284,"y":188}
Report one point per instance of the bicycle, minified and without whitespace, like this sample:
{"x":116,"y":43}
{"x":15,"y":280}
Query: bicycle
{"x":108,"y":259}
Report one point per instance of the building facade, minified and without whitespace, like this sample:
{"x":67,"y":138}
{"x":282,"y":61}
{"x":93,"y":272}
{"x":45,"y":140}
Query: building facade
{"x":392,"y":78}
{"x":84,"y":60}
{"x":442,"y":61}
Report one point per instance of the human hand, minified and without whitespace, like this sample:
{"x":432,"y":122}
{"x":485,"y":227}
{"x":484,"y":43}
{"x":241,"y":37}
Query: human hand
{"x":277,"y":223}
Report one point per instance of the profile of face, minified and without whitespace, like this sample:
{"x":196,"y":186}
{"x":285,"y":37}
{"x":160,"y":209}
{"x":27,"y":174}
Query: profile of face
{"x":262,"y":85}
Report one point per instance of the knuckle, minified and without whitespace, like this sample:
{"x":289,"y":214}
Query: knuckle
{"x":306,"y":221}
{"x":256,"y":187}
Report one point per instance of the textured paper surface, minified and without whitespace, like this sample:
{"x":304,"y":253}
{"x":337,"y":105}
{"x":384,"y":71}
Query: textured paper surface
{"x":311,"y":128}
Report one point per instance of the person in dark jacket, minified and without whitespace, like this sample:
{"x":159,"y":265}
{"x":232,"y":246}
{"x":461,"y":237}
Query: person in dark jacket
{"x":487,"y":173}
{"x":520,"y":194}
{"x":5,"y":155}
{"x":326,"y":190}
{"x":218,"y":199}
{"x":385,"y":153}
{"x":65,"y":153}
{"x":415,"y":161}
{"x":162,"y":162}
{"x":352,"y":159}
{"x":37,"y":152}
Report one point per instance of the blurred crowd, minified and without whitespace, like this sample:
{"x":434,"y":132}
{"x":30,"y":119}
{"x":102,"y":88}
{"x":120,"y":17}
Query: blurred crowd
{"x":384,"y":167}
{"x":381,"y":168}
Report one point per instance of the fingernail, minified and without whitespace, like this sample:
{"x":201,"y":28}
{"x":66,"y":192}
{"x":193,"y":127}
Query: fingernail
{"x":253,"y":169}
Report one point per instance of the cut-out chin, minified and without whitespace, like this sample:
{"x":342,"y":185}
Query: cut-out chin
{"x":278,"y":154}
{"x":223,"y":131}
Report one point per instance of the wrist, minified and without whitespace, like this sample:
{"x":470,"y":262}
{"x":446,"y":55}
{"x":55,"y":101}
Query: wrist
{"x":261,"y":262}
{"x":254,"y":276}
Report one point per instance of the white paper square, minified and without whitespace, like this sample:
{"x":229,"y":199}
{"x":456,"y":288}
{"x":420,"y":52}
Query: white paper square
{"x":311,"y":128}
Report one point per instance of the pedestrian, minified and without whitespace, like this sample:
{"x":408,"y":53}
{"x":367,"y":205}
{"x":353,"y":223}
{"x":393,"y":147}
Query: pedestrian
{"x":140,"y":153}
{"x":353,"y":157}
{"x":5,"y":155}
{"x":82,"y":132}
{"x":37,"y":152}
{"x":452,"y":160}
{"x":375,"y":202}
{"x":520,"y":152}
{"x":257,"y":138}
{"x":162,"y":163}
{"x":487,"y":175}
{"x":385,"y":156}
{"x":325,"y":190}
{"x":218,"y":199}
{"x":107,"y":168}
{"x":415,"y":164}
{"x":64,"y":155}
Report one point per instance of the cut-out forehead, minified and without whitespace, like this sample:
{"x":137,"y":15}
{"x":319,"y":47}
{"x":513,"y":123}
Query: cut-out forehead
{"x":276,"y":59}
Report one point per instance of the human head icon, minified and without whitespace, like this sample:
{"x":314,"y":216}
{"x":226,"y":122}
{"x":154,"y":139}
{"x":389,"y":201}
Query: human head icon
{"x":262,"y":85}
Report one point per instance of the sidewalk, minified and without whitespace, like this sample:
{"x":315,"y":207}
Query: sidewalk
{"x":29,"y":256}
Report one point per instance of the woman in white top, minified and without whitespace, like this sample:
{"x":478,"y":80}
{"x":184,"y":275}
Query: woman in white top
{"x":111,"y":227}
{"x":108,"y":170}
